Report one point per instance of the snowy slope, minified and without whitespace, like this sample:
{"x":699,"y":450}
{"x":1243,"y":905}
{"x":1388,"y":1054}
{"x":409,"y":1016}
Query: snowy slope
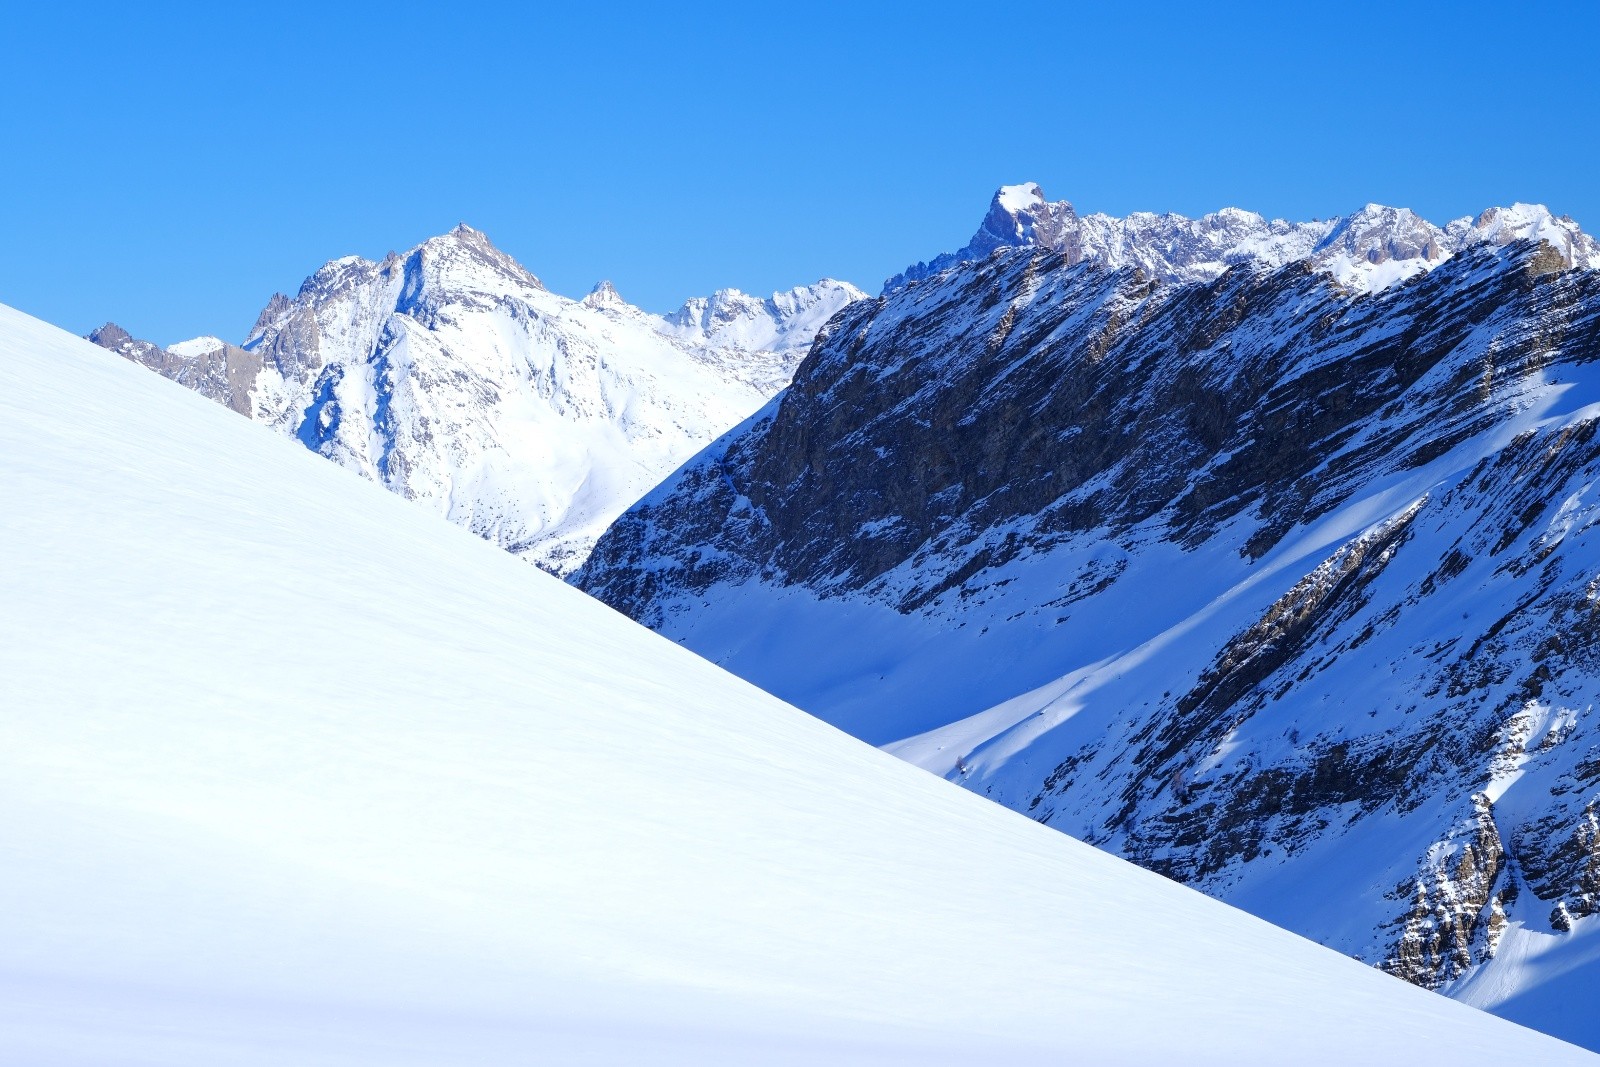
{"x":451,"y":376}
{"x":1284,"y":591}
{"x":1367,"y":251}
{"x":295,"y":774}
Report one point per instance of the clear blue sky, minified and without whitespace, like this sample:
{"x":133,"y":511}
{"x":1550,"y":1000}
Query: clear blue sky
{"x":170,"y":166}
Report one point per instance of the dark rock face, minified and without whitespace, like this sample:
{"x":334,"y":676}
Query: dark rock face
{"x":1080,"y":400}
{"x":1280,"y":590}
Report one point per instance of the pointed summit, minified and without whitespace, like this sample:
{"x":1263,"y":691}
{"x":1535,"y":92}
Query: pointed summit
{"x":109,"y":336}
{"x":465,"y":247}
{"x":604,"y":295}
{"x":1019,"y":216}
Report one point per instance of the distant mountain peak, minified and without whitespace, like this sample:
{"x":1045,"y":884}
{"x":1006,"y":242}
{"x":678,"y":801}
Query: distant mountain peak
{"x":110,"y":336}
{"x":604,"y":295}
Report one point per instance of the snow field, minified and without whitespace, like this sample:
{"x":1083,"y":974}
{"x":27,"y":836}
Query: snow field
{"x":293,"y":772}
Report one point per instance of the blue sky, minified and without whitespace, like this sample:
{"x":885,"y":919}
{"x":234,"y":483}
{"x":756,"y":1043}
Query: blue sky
{"x":170,"y":166}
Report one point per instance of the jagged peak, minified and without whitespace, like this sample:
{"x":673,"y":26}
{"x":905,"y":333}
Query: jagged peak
{"x":333,"y":272}
{"x":463,"y":234}
{"x":461,"y":245}
{"x":109,"y":335}
{"x":277,"y":306}
{"x":604,"y":294}
{"x":116,"y":339}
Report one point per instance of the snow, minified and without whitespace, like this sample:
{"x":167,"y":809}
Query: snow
{"x":1542,"y":979}
{"x":296,"y":773}
{"x":196,"y":347}
{"x":1015,"y":198}
{"x":783,"y":323}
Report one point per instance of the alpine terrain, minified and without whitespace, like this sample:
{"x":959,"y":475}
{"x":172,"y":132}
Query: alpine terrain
{"x":1261,"y":554}
{"x":451,"y":376}
{"x":296,"y":773}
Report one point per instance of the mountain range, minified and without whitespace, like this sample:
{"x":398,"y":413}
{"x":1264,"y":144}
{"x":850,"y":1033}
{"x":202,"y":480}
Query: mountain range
{"x":1366,"y":251}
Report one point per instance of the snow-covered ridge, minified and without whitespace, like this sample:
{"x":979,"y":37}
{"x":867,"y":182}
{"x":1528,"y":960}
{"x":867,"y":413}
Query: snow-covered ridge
{"x":783,"y":322}
{"x":452,"y":376}
{"x":342,"y":786}
{"x":1368,"y":250}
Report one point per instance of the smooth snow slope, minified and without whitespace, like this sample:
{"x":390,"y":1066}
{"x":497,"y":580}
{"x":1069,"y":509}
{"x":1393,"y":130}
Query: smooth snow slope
{"x":295,"y":773}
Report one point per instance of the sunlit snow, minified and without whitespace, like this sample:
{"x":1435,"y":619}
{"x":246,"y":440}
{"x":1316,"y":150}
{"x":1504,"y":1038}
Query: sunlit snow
{"x":296,"y":773}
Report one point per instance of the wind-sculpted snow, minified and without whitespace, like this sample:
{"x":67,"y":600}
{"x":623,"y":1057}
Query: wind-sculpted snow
{"x":296,"y":774}
{"x":1283,"y":590}
{"x":1368,"y":250}
{"x":451,"y":376}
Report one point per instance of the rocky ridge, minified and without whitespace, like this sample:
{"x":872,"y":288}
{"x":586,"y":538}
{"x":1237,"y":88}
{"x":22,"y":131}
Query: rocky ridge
{"x":1368,"y":250}
{"x":1275,"y":585}
{"x":208,"y":365}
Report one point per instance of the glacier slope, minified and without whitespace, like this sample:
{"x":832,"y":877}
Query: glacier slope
{"x":298,"y":774}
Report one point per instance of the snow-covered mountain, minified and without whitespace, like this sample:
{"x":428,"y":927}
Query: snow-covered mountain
{"x":297,"y":774}
{"x":1283,"y":589}
{"x":1368,"y":250}
{"x":451,"y":376}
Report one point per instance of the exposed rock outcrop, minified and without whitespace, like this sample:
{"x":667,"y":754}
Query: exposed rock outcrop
{"x":208,"y":365}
